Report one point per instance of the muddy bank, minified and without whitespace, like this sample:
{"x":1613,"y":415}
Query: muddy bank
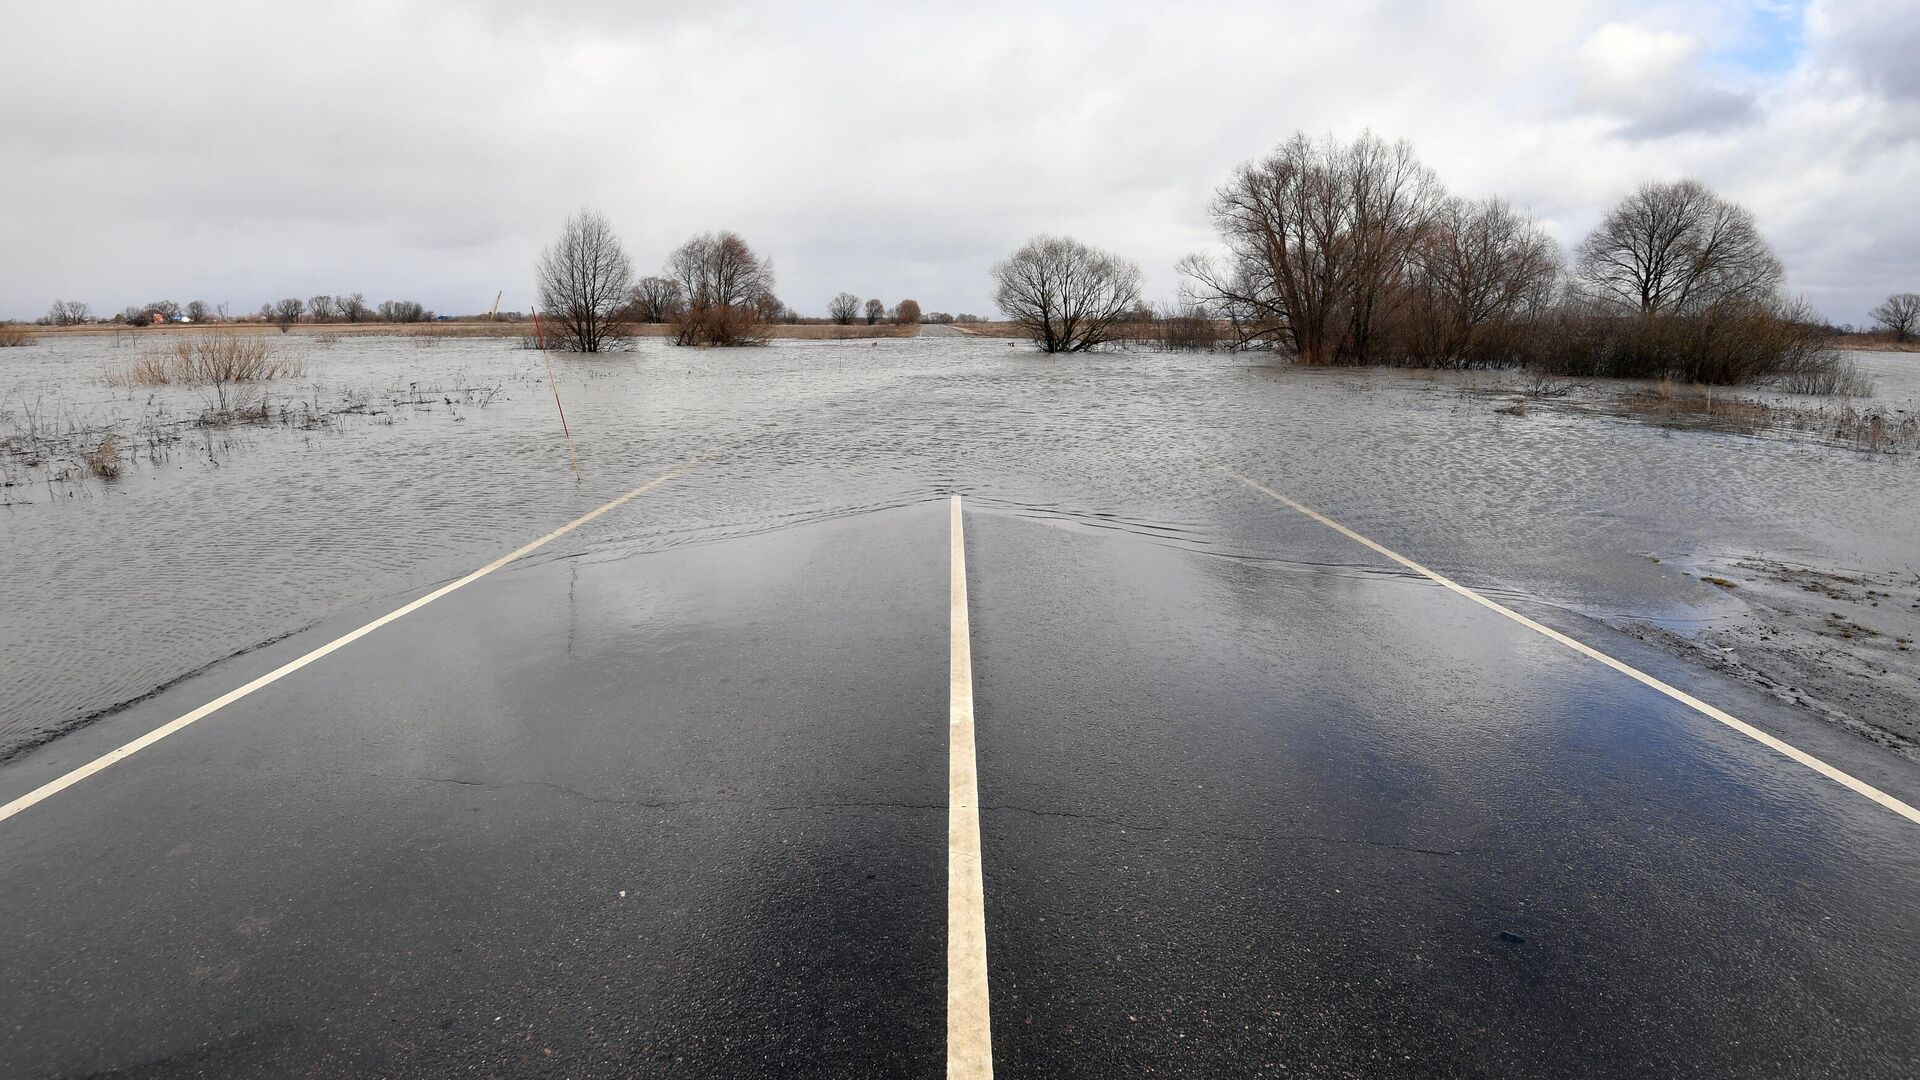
{"x":1837,"y":643}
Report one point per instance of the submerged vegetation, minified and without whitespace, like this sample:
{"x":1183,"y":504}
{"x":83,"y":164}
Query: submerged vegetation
{"x":207,"y":360}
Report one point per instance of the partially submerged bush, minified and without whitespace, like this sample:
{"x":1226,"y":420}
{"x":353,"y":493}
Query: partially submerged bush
{"x":1738,"y":342}
{"x":208,"y":360}
{"x":104,"y":460}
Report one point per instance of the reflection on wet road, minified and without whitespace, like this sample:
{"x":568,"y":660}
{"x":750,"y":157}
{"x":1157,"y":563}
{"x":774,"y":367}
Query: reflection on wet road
{"x":671,"y":794}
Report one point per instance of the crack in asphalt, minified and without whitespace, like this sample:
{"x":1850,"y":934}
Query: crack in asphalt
{"x":859,"y":804}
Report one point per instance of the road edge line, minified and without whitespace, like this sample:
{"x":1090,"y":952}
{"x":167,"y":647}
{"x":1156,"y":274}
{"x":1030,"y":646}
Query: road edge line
{"x":969,"y":1025}
{"x":127,"y":750}
{"x":1780,"y":746}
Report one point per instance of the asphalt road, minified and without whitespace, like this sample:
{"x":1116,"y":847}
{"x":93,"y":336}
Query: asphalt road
{"x":685,"y":813}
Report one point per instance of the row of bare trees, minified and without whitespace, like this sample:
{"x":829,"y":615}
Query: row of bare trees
{"x":713,"y":290}
{"x":845,"y":309}
{"x":349,"y":308}
{"x":1354,"y":253}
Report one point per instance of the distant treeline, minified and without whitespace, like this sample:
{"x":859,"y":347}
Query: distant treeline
{"x":349,"y":308}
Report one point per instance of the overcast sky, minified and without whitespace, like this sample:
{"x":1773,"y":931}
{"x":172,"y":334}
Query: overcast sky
{"x":245,"y":152}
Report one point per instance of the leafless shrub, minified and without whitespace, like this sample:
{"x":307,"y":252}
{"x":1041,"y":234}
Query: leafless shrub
{"x":844,"y":308}
{"x":1067,"y":296}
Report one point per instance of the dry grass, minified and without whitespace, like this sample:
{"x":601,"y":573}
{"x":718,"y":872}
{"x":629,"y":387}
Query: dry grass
{"x":104,"y":460}
{"x":13,"y":335}
{"x":207,"y":360}
{"x":1874,"y":429}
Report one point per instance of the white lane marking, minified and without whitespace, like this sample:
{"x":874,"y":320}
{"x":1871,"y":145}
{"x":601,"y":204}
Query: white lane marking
{"x":1681,"y":696}
{"x":969,"y":1031}
{"x":54,"y":787}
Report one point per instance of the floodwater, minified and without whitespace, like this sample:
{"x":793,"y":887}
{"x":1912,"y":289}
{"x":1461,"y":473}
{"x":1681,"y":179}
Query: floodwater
{"x":451,"y":455}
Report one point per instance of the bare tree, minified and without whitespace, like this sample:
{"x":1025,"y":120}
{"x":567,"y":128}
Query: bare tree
{"x":585,"y":279}
{"x":351,"y":307}
{"x":1899,"y":315}
{"x":287,"y":312}
{"x":876,"y":310}
{"x":1483,"y":271}
{"x":907,"y":313}
{"x":403,"y":311}
{"x":657,"y":300}
{"x":1677,"y":249}
{"x":726,"y":285}
{"x":1069,"y":297}
{"x":772,"y":309}
{"x":320,"y":307}
{"x":199,"y":311}
{"x":69,"y":313}
{"x":1320,"y":239}
{"x":844,"y":308}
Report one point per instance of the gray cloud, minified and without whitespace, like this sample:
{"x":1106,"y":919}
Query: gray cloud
{"x":427,"y":149}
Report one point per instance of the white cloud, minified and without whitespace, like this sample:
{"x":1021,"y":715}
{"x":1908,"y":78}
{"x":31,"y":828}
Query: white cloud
{"x":1651,"y":83}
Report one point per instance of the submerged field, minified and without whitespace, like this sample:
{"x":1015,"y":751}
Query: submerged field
{"x":1770,"y":539}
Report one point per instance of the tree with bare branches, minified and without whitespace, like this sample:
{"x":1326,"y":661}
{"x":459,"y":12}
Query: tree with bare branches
{"x":1483,"y":272}
{"x":1677,"y":249}
{"x":1899,"y":315}
{"x":287,"y":312}
{"x":657,"y":300}
{"x":584,"y":281}
{"x":321,"y":308}
{"x":1069,"y":297}
{"x":727,"y":285}
{"x":906,"y":313}
{"x":1320,"y":238}
{"x":844,"y":308}
{"x":69,"y":313}
{"x":876,"y":310}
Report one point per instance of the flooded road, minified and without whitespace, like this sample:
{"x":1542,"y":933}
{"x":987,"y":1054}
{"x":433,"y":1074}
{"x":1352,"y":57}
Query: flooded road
{"x":668,"y":795}
{"x":237,"y":536}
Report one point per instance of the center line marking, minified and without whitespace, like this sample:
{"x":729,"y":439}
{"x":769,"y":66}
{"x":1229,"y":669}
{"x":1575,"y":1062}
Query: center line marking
{"x":969,"y":1030}
{"x":1681,"y":696}
{"x":111,"y":757}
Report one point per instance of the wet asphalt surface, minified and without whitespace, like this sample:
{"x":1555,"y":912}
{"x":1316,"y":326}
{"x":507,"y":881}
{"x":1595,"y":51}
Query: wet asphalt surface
{"x":682,"y":813}
{"x":669,"y":798}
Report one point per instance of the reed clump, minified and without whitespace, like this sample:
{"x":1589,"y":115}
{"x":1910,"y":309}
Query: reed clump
{"x":13,"y":335}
